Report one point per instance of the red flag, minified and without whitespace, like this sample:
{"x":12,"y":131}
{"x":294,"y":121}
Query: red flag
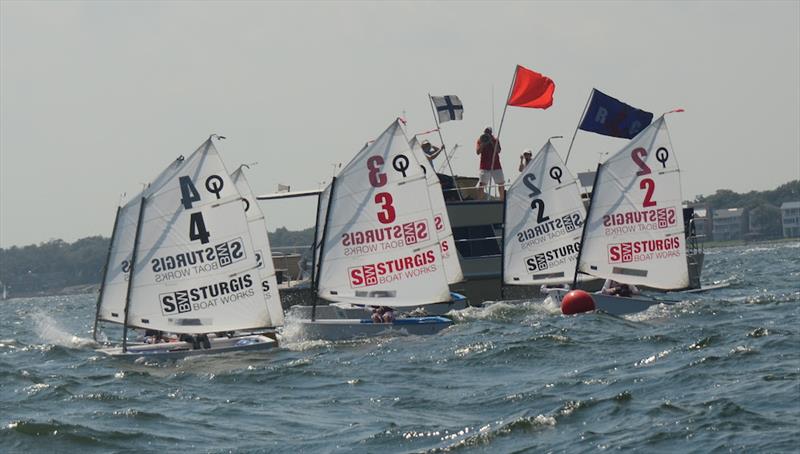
{"x":531,"y":89}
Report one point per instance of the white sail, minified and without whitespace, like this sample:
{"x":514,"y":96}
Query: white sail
{"x":195,"y":269}
{"x":452,"y":266}
{"x":635,"y":231}
{"x":263,"y":253}
{"x":544,"y":217}
{"x":380,"y":243}
{"x":115,"y":285}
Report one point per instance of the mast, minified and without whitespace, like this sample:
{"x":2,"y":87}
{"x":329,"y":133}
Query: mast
{"x":585,"y":108}
{"x":322,"y":247}
{"x":583,"y":232}
{"x":130,"y":275}
{"x":502,"y":118}
{"x":503,"y":252}
{"x":105,"y":273}
{"x":314,"y":244}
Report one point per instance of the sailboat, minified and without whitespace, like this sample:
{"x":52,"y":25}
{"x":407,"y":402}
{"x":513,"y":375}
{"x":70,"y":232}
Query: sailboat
{"x":543,"y":222}
{"x":379,"y":246}
{"x":181,"y":260}
{"x":634,"y":231}
{"x":5,"y":292}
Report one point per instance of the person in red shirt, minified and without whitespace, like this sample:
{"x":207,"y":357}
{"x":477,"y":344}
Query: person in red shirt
{"x":488,"y":148}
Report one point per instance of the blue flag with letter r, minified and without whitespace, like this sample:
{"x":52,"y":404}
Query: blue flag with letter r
{"x":612,"y":117}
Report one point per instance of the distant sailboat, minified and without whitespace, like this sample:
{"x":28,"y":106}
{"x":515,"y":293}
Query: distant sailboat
{"x":634,"y":231}
{"x":181,"y":260}
{"x":379,"y":245}
{"x":5,"y":292}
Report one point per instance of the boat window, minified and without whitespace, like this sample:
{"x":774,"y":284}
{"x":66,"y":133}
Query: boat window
{"x":477,"y":240}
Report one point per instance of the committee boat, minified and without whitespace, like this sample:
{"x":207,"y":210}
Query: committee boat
{"x":182,"y":260}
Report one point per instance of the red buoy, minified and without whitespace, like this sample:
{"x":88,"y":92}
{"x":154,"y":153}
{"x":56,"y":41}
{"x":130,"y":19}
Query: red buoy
{"x":576,"y":301}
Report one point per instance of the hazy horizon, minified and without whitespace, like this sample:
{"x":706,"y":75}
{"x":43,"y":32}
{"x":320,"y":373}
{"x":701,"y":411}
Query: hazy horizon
{"x":97,"y":98}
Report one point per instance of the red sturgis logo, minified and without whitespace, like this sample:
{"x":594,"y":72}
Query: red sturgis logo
{"x":368,"y":275}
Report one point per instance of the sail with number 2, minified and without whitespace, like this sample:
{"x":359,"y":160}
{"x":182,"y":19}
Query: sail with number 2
{"x":544,"y":218}
{"x":184,"y":256}
{"x":452,"y":266}
{"x":635,"y":232}
{"x":380,"y":245}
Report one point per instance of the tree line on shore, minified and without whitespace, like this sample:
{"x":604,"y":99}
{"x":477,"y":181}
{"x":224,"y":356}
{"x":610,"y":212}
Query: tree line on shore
{"x":52,"y":266}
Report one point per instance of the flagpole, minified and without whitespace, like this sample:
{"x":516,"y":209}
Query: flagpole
{"x":585,"y":108}
{"x":446,"y":157}
{"x":503,"y":117}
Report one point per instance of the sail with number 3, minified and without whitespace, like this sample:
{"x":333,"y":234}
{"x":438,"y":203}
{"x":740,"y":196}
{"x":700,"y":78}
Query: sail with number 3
{"x":380,"y":244}
{"x":635,"y":231}
{"x":544,"y":218}
{"x":182,"y":258}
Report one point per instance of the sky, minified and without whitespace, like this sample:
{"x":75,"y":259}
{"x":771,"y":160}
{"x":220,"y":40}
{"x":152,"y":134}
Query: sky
{"x":96,"y":98}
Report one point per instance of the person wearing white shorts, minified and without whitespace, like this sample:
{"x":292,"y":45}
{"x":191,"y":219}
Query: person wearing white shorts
{"x":486,"y":177}
{"x":488,"y":148}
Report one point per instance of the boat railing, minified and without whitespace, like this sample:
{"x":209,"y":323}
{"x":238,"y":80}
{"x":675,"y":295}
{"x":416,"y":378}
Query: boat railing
{"x":694,"y":242}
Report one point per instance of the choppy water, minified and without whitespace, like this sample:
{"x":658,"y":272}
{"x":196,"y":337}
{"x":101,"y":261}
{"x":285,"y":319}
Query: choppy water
{"x":718,"y":372}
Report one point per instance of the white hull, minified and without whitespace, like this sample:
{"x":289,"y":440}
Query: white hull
{"x":344,"y":329}
{"x":178,"y":350}
{"x":614,"y":305}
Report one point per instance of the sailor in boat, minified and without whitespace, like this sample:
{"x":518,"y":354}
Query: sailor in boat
{"x":525,"y":158}
{"x":615,"y":288}
{"x":431,"y":151}
{"x":488,"y":148}
{"x":154,"y":336}
{"x":382,"y":314}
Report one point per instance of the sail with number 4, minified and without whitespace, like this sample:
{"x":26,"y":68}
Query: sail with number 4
{"x":635,"y":231}
{"x":263,"y":253}
{"x":380,"y":245}
{"x":452,"y":266}
{"x":194,"y":269}
{"x":544,"y":216}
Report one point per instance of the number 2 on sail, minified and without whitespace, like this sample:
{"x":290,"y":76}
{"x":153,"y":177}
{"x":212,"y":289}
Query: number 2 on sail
{"x":647,"y":183}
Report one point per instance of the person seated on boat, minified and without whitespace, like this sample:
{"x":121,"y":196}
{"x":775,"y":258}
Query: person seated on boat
{"x":382,"y":314}
{"x":431,"y":151}
{"x":614,"y":288}
{"x":154,"y":336}
{"x":525,"y":158}
{"x":202,"y":339}
{"x":488,"y":148}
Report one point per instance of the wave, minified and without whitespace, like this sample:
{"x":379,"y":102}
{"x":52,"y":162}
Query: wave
{"x":49,"y":330}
